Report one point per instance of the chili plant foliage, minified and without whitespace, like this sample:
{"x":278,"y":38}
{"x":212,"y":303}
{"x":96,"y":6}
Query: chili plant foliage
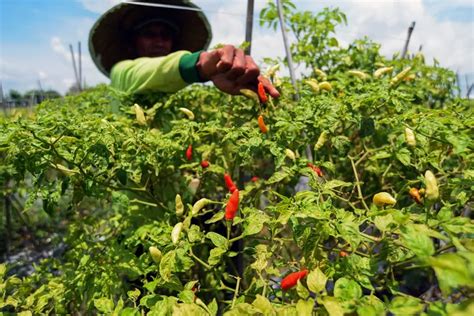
{"x":104,"y":170}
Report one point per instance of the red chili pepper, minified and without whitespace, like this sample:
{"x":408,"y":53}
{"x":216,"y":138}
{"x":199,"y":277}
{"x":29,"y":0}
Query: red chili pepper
{"x":229,"y":183}
{"x":261,"y":93}
{"x":255,"y":179}
{"x":292,"y":279}
{"x":232,"y":206}
{"x":189,"y":152}
{"x":204,"y":163}
{"x":318,"y":171}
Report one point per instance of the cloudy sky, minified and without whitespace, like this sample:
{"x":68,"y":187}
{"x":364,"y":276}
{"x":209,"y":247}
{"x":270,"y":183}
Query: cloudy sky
{"x":35,"y":34}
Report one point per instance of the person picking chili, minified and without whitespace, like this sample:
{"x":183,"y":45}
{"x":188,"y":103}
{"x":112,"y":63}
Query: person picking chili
{"x":160,"y":46}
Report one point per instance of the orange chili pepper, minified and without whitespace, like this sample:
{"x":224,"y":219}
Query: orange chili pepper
{"x":415,"y":195}
{"x":262,"y":125}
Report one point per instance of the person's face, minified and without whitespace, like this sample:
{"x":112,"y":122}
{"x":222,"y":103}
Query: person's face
{"x":154,"y":40}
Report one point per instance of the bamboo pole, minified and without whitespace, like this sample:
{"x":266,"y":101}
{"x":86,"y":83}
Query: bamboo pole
{"x":287,"y":49}
{"x":405,"y":47}
{"x":80,"y":65}
{"x":74,"y":65}
{"x":249,"y":26}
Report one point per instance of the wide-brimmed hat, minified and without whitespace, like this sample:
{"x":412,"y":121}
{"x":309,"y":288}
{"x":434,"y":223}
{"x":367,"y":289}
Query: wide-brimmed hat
{"x":110,"y":38}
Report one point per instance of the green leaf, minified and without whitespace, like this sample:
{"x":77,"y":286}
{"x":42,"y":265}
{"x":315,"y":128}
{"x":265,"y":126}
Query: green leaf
{"x":163,"y":307}
{"x":129,"y":311}
{"x":186,"y":296}
{"x":406,"y":305}
{"x":403,"y":155}
{"x":262,"y":258}
{"x":370,"y":306}
{"x":215,"y":255}
{"x":263,"y":305}
{"x":188,"y":309}
{"x":133,"y":295}
{"x":253,"y":224}
{"x":316,"y":281}
{"x":335,"y":184}
{"x":215,"y":218}
{"x":332,"y":306}
{"x":195,"y":234}
{"x":305,"y":308}
{"x":104,"y":305}
{"x":453,"y":270}
{"x":218,"y":240}
{"x":383,"y":222}
{"x":347,"y":290}
{"x":167,"y":265}
{"x":242,"y":309}
{"x":415,"y":239}
{"x":302,"y":290}
{"x":280,"y":175}
{"x":213,"y":307}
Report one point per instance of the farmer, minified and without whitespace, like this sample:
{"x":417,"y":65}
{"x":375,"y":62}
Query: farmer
{"x":152,"y":46}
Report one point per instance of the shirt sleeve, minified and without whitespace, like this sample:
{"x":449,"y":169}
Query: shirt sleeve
{"x":167,"y":74}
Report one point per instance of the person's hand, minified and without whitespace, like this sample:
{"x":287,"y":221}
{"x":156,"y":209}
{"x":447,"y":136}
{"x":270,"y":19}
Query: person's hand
{"x":231,"y":70}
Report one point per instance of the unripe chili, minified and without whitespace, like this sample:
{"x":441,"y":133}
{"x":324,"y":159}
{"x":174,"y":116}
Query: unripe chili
{"x":155,"y":254}
{"x":188,"y":113}
{"x":176,"y":232}
{"x":432,"y":190}
{"x":199,"y":205}
{"x":179,"y":205}
{"x":383,"y":199}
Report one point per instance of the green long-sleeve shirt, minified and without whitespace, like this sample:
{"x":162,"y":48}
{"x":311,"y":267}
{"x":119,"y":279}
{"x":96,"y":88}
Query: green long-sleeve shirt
{"x":169,"y":73}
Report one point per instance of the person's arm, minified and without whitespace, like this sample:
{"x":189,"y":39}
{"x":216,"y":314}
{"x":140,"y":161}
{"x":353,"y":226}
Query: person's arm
{"x":162,"y":74}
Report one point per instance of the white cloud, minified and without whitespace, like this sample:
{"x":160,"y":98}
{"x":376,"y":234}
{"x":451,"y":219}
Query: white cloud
{"x":42,"y":75}
{"x":58,"y":47}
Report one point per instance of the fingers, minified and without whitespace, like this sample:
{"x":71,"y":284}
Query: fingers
{"x":226,"y":58}
{"x":238,"y":65}
{"x":232,"y":69}
{"x":207,"y":64}
{"x":251,"y":72}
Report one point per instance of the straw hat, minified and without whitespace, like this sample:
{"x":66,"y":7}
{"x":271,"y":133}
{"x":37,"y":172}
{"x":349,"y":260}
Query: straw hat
{"x":110,"y":39}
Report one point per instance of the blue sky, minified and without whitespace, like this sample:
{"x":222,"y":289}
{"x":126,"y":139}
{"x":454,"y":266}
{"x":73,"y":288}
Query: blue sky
{"x":35,"y":34}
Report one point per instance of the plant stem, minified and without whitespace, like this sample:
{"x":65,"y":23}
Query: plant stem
{"x":236,"y":292}
{"x":359,"y":190}
{"x":199,"y":260}
{"x":236,"y":238}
